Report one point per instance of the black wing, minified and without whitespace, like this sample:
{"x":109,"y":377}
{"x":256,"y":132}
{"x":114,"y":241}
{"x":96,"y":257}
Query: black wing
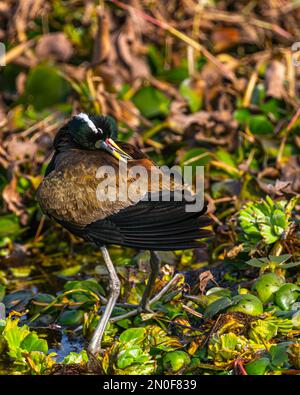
{"x":151,"y":225}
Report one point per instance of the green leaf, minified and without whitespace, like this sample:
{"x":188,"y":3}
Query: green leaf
{"x":14,"y":335}
{"x":2,"y":292}
{"x":176,"y":360}
{"x":226,"y":157}
{"x":256,"y":262}
{"x":217,"y":306}
{"x":132,"y":355}
{"x":272,"y":106}
{"x":33,"y":343}
{"x":193,"y":97}
{"x":69,"y":271}
{"x":279,"y":220}
{"x":262,"y":330}
{"x":196,"y":157}
{"x":279,"y":355}
{"x":9,"y":226}
{"x":133,"y":335}
{"x":296,"y":320}
{"x":242,"y":115}
{"x":260,"y":125}
{"x":258,"y":366}
{"x":266,"y":286}
{"x":76,"y":358}
{"x":287,"y":295}
{"x":248,"y":304}
{"x":151,"y":102}
{"x":45,"y":87}
{"x":280,"y":259}
{"x":71,"y":317}
{"x":90,"y":285}
{"x":290,"y":265}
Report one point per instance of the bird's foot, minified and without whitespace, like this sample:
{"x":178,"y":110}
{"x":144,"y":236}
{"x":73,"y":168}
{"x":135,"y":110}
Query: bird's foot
{"x":147,"y":307}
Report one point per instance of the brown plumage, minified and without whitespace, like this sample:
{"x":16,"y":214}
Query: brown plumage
{"x":68,"y":194}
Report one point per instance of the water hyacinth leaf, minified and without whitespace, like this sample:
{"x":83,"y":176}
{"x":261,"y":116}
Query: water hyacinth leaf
{"x":260,"y":125}
{"x":219,"y":291}
{"x":226,"y":347}
{"x":191,"y":94}
{"x":248,"y":304}
{"x":262,"y":330}
{"x":38,"y":362}
{"x":132,"y":355}
{"x":76,"y":358}
{"x":134,"y":335}
{"x":264,"y":219}
{"x":43,"y":298}
{"x":160,"y":340}
{"x":258,"y":366}
{"x":296,"y":319}
{"x":9,"y":226}
{"x":287,"y":295}
{"x":266,"y":286}
{"x":217,"y":306}
{"x":279,"y":355}
{"x":69,"y":271}
{"x":176,"y":360}
{"x":242,"y":115}
{"x":71,"y":317}
{"x":151,"y":102}
{"x":267,"y":233}
{"x":17,"y":300}
{"x":33,"y":343}
{"x":279,"y":221}
{"x":89,"y":285}
{"x":14,"y":335}
{"x":45,"y":78}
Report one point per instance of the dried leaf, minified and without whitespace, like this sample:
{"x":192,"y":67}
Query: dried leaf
{"x":275,"y":77}
{"x":54,"y":46}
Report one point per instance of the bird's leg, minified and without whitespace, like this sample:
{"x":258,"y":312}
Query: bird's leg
{"x":114,"y":285}
{"x":155,"y":298}
{"x":155,"y":266}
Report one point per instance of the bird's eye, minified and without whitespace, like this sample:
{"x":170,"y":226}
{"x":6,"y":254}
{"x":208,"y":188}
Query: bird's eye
{"x":98,"y":144}
{"x":100,"y":130}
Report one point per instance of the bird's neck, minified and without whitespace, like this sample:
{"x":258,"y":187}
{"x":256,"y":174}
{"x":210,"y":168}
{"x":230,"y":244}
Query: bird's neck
{"x":63,"y":142}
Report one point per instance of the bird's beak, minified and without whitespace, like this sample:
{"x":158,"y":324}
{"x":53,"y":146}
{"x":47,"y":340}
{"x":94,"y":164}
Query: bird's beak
{"x":110,"y":146}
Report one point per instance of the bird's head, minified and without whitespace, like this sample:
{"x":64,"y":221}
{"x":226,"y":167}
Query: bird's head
{"x":92,"y":133}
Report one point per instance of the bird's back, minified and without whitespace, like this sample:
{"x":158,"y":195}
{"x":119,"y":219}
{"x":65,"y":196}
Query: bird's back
{"x":68,"y":194}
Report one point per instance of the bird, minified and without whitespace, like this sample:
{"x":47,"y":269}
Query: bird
{"x":69,"y":194}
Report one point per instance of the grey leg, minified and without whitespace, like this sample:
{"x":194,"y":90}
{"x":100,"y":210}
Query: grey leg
{"x":114,"y":285}
{"x":155,"y":298}
{"x":155,"y":266}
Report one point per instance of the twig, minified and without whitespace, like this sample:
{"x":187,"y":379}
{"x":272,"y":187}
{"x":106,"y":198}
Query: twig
{"x":286,"y":134}
{"x":166,"y":26}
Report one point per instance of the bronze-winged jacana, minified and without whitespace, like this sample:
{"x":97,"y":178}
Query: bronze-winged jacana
{"x":68,"y":194}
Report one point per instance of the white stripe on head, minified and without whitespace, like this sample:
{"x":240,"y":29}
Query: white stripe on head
{"x":86,"y":119}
